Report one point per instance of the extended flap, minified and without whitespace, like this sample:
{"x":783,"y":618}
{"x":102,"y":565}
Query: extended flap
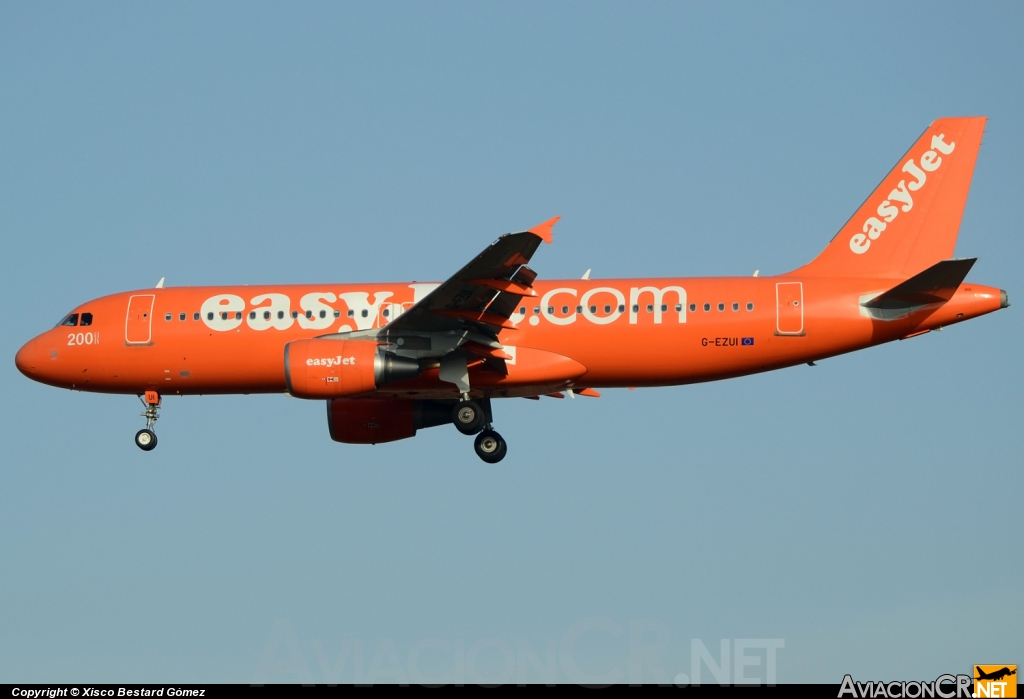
{"x":531,"y":367}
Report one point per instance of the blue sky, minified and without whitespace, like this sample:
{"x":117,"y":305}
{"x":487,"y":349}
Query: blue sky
{"x":860,"y":510}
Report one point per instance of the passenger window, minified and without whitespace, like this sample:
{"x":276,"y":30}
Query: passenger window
{"x":168,"y":316}
{"x":323,"y":314}
{"x":295,"y":314}
{"x":622,"y":308}
{"x":252,"y":315}
{"x":280,"y":315}
{"x":750,"y":306}
{"x":721,"y":307}
{"x":351,"y":313}
{"x":579,"y":309}
{"x":70,"y":321}
{"x":707,"y":307}
{"x":195,"y":316}
{"x":650,"y":308}
{"x":181,"y":316}
{"x":551,"y":309}
{"x":536,"y":310}
{"x":607,"y":309}
{"x":266,"y":315}
{"x":565,"y":310}
{"x":636,"y":308}
{"x":664,"y":307}
{"x":365,"y":313}
{"x":309,"y":314}
{"x":238,"y":315}
{"x":337,"y":313}
{"x":679,"y":308}
{"x":387,"y":312}
{"x":693,"y":308}
{"x":209,"y":315}
{"x":735,"y":306}
{"x":522,"y":310}
{"x":593,"y":309}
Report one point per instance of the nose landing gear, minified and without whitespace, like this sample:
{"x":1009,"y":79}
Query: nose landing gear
{"x":470,"y":417}
{"x":145,"y":439}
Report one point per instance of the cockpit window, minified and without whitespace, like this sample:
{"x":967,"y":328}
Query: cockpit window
{"x":86,"y":319}
{"x":70,"y":320}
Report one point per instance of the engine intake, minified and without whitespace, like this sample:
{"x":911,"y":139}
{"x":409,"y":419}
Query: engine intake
{"x":335,"y":368}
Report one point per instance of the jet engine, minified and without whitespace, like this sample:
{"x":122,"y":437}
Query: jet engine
{"x":333,"y":368}
{"x":378,"y":420}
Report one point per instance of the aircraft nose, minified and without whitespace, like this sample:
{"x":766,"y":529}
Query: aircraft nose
{"x":29,"y":359}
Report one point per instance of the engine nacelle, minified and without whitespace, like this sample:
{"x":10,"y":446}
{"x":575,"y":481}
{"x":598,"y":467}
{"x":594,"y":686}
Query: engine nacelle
{"x":378,"y":420}
{"x":334,"y":368}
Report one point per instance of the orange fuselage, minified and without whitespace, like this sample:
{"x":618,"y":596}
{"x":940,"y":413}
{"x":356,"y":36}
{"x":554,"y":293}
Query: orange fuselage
{"x":623,"y":332}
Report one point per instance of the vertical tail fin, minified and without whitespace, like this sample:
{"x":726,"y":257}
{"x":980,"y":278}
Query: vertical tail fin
{"x":911,"y":220}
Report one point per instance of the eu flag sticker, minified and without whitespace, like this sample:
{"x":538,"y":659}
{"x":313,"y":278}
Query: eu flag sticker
{"x":747,"y":342}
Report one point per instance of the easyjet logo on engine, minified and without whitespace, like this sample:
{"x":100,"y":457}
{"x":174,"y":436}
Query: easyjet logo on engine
{"x":901,"y":198}
{"x":330,"y":361}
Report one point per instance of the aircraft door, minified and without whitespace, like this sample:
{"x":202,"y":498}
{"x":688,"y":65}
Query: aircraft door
{"x":389,"y":311}
{"x":138,"y":327}
{"x":789,"y":308}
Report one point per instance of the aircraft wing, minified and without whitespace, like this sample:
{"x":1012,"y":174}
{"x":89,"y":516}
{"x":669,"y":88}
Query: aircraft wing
{"x":481,"y":297}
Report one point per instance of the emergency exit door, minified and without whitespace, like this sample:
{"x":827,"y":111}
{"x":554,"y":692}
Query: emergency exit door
{"x":789,"y":308}
{"x":138,"y":327}
{"x":389,"y":311}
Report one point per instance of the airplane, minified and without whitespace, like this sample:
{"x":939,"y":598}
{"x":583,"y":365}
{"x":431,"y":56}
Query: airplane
{"x":390,"y":359}
{"x":996,"y":675}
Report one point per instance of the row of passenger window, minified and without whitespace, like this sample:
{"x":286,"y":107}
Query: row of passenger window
{"x":636,"y":308}
{"x":76,"y":319}
{"x":87,"y":317}
{"x":237,"y":315}
{"x":721,"y":306}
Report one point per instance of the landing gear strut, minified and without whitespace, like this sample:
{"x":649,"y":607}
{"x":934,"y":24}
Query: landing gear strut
{"x":145,"y":439}
{"x":470,"y":417}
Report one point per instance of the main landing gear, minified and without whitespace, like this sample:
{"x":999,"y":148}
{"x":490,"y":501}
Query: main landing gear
{"x":472,"y":418}
{"x":490,"y":446}
{"x":145,"y":439}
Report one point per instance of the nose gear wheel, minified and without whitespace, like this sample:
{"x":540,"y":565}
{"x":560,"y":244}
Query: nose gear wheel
{"x":145,"y":440}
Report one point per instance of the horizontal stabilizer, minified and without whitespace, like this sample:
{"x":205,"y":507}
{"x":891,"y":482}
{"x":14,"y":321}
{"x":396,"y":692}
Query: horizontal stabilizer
{"x":937,"y":284}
